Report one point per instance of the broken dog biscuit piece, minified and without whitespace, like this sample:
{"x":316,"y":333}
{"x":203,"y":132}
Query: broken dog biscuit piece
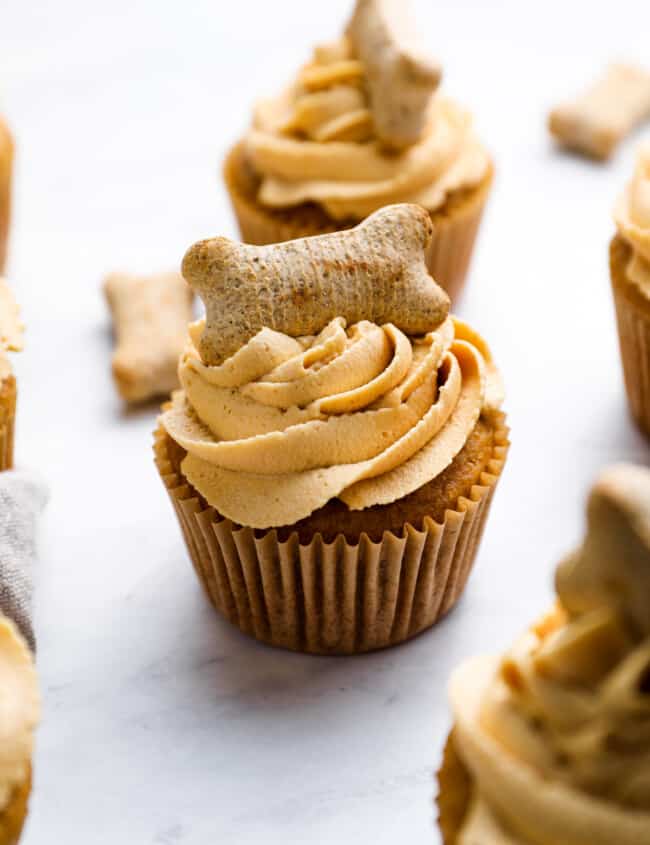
{"x":150,"y":317}
{"x":375,"y":271}
{"x":600,"y":118}
{"x":400,"y":79}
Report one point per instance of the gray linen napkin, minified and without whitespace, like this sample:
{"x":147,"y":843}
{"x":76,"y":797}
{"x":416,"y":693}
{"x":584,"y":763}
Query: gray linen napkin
{"x":22,"y":498}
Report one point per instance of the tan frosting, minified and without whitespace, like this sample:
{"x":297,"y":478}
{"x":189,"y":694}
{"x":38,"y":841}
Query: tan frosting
{"x":632,"y":215}
{"x":363,"y":413}
{"x":320,"y":141}
{"x":482,"y":828}
{"x":11,"y":328}
{"x":19,"y":709}
{"x":557,"y":734}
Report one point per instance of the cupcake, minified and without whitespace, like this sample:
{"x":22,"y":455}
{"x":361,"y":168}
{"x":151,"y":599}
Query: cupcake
{"x":18,"y":719}
{"x":362,"y":126}
{"x":11,"y":339}
{"x":334,"y":449}
{"x":6,"y":162}
{"x":629,"y":260}
{"x":551,"y":743}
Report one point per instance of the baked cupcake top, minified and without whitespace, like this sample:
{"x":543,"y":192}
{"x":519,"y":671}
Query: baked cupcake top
{"x":19,"y":709}
{"x":632,"y":215}
{"x":363,"y":126}
{"x":556,"y":735}
{"x":326,"y":367}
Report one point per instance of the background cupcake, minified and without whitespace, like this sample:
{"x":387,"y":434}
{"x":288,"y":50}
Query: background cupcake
{"x":552,"y":742}
{"x":363,"y":126}
{"x":629,"y":258}
{"x":20,"y":713}
{"x":334,"y":450}
{"x":6,"y":164}
{"x":11,"y":339}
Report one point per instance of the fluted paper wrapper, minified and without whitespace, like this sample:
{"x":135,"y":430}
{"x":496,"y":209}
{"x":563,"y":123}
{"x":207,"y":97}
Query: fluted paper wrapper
{"x":448,"y":256}
{"x":634,"y":342}
{"x":454,"y":792}
{"x":6,"y":162}
{"x":454,"y":235}
{"x":331,"y":597}
{"x":7,"y":420}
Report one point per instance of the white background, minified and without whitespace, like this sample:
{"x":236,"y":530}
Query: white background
{"x":161,"y":723}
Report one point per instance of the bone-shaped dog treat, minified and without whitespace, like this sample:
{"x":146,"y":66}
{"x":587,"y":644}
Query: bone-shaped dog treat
{"x":375,"y":271}
{"x":612,"y":566}
{"x":595,"y":122}
{"x":150,"y":317}
{"x":400,"y":80}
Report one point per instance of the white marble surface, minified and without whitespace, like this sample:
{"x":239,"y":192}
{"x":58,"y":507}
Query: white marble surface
{"x":162,"y":724}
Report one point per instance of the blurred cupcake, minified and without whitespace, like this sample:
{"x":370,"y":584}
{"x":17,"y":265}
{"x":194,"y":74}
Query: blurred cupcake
{"x":552,"y":743}
{"x":11,"y":339}
{"x":18,"y":718}
{"x":335,"y":447}
{"x":361,"y":127}
{"x":6,"y":163}
{"x":629,"y":259}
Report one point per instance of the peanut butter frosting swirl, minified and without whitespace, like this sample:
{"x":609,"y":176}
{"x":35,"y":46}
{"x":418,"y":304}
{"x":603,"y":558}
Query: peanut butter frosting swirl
{"x":364,"y":413}
{"x":632,"y":216}
{"x":11,"y":328}
{"x":326,"y":367}
{"x":557,"y":734}
{"x":322,"y":141}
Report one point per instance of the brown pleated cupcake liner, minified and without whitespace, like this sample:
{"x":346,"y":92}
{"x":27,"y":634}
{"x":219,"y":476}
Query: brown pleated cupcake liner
{"x":455,"y":226}
{"x":7,"y":421}
{"x":634,"y":341}
{"x":454,"y":793}
{"x":6,"y":162}
{"x":454,"y":236}
{"x":332,"y":597}
{"x":12,"y":817}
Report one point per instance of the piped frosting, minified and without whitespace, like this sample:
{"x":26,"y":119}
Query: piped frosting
{"x":632,"y":216}
{"x":363,"y":126}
